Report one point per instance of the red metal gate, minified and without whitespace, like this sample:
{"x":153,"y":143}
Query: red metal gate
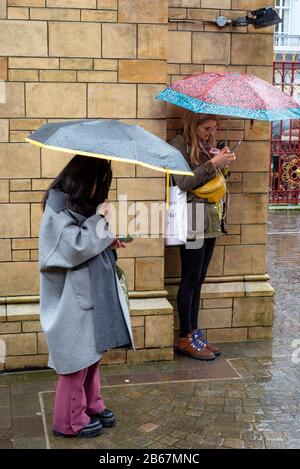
{"x":285,"y":141}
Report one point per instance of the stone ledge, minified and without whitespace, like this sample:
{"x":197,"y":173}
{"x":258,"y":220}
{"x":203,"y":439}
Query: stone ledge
{"x":150,"y":306}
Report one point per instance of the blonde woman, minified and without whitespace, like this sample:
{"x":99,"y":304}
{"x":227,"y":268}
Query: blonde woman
{"x":198,"y":146}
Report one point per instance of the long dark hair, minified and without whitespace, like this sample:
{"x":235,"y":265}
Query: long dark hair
{"x":86,"y":180}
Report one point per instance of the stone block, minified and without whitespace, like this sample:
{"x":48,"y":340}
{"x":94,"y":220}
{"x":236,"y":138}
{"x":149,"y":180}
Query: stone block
{"x":28,"y":196}
{"x":105,"y":64}
{"x":15,"y":221}
{"x":31,"y":63}
{"x":31,"y":326}
{"x":23,"y":38}
{"x":52,"y":162}
{"x":23,"y":312}
{"x":179,"y":47}
{"x":10,"y":327}
{"x":35,"y":218}
{"x":49,"y":100}
{"x":14,"y":101}
{"x":256,"y":182}
{"x":54,"y":14}
{"x":150,"y":355}
{"x":20,"y":344}
{"x":150,"y":306}
{"x":226,"y":4}
{"x":19,"y":160}
{"x":25,"y":243}
{"x":211,"y":48}
{"x":137,"y":321}
{"x":26,"y":3}
{"x":26,"y":124}
{"x":111,"y":100}
{"x":119,"y":40}
{"x":138,"y":337}
{"x":34,"y":255}
{"x":74,"y":39}
{"x":18,"y":13}
{"x":141,"y":189}
{"x":262,"y":72}
{"x":152,"y":41}
{"x":42,"y":344}
{"x":2,"y":313}
{"x":3,"y":130}
{"x":215,"y":318}
{"x":23,"y":75}
{"x":259,"y":333}
{"x":259,"y":131}
{"x":254,"y":234}
{"x":217,"y":262}
{"x":253,"y":311}
{"x":244,"y":4}
{"x":5,"y":250}
{"x":3,"y":68}
{"x":76,"y":64}
{"x":20,"y":256}
{"x":245,"y":259}
{"x":40,"y":184}
{"x":185,"y":3}
{"x":148,"y":106}
{"x":107,"y":4}
{"x":252,"y":49}
{"x":149,"y":273}
{"x":223,"y":290}
{"x":143,"y":71}
{"x":72,"y":3}
{"x":227,"y":335}
{"x":143,"y":11}
{"x":58,"y":75}
{"x":248,"y":209}
{"x":217,"y":303}
{"x":128,"y":266}
{"x":4,"y":191}
{"x":97,"y":76}
{"x":159,"y":331}
{"x":3,"y":8}
{"x":228,"y":240}
{"x":252,"y":156}
{"x":100,"y":16}
{"x":143,"y":247}
{"x":27,"y":361}
{"x":114,"y":357}
{"x":259,"y":289}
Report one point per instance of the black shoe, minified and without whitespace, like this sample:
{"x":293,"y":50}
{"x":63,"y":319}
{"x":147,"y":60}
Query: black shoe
{"x":106,"y":417}
{"x":93,"y":428}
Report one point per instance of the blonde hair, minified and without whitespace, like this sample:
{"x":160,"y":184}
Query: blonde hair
{"x":194,"y":145}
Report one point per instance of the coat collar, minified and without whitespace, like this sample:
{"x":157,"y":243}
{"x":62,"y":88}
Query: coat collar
{"x":59,"y":201}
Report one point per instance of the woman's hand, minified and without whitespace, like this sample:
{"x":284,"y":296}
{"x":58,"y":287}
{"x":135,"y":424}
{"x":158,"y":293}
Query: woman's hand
{"x":116,"y":244}
{"x":223,"y":158}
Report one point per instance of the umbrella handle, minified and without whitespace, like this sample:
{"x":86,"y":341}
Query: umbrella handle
{"x":167,"y":188}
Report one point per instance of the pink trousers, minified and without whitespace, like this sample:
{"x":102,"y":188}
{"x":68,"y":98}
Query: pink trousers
{"x":77,"y":397}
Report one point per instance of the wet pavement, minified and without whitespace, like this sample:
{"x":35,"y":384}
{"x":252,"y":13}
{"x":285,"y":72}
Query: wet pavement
{"x":247,"y":398}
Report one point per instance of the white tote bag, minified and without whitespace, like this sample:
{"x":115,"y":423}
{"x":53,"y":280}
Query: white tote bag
{"x":176,"y":218}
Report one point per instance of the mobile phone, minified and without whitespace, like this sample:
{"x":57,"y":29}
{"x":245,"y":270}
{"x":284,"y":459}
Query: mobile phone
{"x":127,"y":239}
{"x":235,"y":145}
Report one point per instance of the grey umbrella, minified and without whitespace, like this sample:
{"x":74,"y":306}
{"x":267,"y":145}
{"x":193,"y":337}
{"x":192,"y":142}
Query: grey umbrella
{"x":113,"y":140}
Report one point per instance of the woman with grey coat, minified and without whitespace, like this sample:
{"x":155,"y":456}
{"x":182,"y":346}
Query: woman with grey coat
{"x":82,"y":306}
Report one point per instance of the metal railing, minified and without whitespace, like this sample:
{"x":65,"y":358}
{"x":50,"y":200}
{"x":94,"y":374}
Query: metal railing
{"x":286,"y":42}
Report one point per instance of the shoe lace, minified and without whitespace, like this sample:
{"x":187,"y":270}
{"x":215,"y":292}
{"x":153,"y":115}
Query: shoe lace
{"x":196,"y":341}
{"x":201,"y":336}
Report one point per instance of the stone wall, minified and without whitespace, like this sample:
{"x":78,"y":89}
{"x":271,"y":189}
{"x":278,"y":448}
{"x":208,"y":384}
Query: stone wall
{"x":237,"y":300}
{"x":65,"y":59}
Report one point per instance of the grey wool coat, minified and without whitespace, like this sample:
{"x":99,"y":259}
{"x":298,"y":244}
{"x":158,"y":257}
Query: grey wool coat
{"x":82,"y":306}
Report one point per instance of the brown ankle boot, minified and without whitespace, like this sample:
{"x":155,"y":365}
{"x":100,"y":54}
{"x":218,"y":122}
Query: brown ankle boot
{"x":212,"y":348}
{"x":191,"y":348}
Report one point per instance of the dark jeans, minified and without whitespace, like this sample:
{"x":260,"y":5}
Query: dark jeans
{"x":194,"y":265}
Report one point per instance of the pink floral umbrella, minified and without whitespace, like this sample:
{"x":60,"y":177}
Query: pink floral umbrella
{"x":231,"y":94}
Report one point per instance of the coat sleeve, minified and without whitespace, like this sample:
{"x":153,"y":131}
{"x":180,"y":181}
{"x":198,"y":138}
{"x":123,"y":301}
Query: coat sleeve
{"x":202,"y":173}
{"x":77,"y":244}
